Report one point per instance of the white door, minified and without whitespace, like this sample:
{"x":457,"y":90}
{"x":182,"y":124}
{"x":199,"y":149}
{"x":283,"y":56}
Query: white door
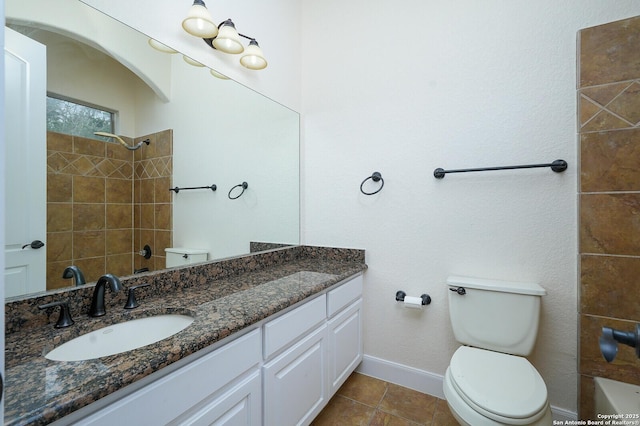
{"x":2,"y":218}
{"x":25,"y":65}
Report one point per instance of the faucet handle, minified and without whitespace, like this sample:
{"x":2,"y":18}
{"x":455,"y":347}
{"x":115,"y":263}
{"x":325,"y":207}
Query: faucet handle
{"x":609,"y":341}
{"x":64,"y":320}
{"x":131,"y":299}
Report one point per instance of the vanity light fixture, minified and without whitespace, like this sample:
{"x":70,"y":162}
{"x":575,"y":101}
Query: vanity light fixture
{"x":166,"y":49}
{"x":223,"y":37}
{"x":192,"y":61}
{"x":216,"y":74}
{"x":253,"y":57}
{"x":228,"y":39}
{"x":161,"y":46}
{"x":199,"y":22}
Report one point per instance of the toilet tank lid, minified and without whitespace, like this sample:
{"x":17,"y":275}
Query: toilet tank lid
{"x":182,"y":250}
{"x":533,"y":289}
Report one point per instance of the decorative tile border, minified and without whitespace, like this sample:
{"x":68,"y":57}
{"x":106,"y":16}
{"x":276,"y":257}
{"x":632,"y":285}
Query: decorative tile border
{"x":610,"y":106}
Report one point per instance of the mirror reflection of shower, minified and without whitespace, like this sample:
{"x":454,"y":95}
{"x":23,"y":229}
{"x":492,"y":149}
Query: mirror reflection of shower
{"x":122,"y":142}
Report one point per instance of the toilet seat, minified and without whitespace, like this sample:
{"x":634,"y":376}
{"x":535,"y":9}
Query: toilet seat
{"x":505,"y":388}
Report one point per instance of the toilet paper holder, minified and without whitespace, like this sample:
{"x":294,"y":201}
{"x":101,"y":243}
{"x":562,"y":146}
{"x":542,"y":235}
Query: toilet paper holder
{"x":400,"y":295}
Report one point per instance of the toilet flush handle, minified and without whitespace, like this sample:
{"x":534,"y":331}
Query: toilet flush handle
{"x":460,"y":290}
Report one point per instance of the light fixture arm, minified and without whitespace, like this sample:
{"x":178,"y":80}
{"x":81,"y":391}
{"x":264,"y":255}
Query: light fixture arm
{"x":247,"y":37}
{"x":209,"y":41}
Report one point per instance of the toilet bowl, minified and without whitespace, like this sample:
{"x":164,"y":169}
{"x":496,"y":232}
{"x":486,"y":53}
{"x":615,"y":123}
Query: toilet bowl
{"x":488,"y":381}
{"x":489,"y":388}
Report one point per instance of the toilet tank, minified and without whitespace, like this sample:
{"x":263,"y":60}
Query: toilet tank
{"x":501,"y":316}
{"x":180,"y":256}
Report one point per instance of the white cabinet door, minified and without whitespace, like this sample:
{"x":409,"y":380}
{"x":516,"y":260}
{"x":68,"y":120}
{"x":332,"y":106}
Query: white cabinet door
{"x":239,"y":406}
{"x":344,"y":342}
{"x":295,"y":388}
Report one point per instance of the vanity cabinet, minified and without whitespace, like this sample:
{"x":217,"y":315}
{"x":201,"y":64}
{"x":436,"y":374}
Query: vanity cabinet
{"x":304,"y":375}
{"x":280,"y":374}
{"x":295,"y":382}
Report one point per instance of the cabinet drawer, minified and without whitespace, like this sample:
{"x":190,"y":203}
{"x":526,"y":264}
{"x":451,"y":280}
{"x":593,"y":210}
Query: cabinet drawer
{"x":289,"y":327}
{"x":172,"y":395}
{"x":344,"y":295}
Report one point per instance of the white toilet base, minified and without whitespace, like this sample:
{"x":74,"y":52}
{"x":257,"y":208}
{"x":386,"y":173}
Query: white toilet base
{"x":467,"y":416}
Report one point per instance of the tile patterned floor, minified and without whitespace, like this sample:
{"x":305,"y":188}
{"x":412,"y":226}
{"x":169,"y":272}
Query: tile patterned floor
{"x":366,"y":401}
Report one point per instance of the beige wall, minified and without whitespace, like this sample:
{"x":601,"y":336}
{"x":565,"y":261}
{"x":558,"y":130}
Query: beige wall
{"x":609,"y":121}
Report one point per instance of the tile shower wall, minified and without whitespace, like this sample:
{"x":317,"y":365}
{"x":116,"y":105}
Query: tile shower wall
{"x":93,"y":207}
{"x":609,"y":126}
{"x":153,"y":214}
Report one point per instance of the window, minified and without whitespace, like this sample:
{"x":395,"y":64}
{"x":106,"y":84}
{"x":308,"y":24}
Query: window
{"x":73,"y":118}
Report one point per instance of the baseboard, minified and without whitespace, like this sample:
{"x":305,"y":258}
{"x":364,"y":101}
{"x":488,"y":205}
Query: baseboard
{"x":409,"y":377}
{"x":423,"y":381}
{"x":563,"y":415}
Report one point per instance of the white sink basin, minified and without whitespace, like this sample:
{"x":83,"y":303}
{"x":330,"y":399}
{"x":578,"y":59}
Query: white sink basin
{"x":118,"y":338}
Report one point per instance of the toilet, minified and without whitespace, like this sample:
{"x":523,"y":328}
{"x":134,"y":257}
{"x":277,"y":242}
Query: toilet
{"x":182,"y":256}
{"x":488,"y":381}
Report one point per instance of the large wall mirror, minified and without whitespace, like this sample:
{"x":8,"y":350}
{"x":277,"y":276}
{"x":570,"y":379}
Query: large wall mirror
{"x":103,"y":204}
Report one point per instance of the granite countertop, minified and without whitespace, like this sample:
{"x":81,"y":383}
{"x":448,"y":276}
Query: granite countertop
{"x":250,"y":289}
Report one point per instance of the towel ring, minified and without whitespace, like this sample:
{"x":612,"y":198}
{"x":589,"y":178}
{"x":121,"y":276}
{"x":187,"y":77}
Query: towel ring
{"x":376,"y":177}
{"x":243,"y":185}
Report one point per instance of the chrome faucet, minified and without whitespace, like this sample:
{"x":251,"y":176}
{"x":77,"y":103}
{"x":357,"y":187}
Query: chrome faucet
{"x":74,"y":272}
{"x":97,"y":302}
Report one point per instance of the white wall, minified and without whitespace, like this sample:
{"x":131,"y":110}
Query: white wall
{"x":91,"y":77}
{"x":78,"y":21}
{"x":404,"y":88}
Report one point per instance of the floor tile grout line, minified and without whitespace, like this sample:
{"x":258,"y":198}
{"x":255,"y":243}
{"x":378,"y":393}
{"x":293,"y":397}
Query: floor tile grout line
{"x":440,"y":405}
{"x":377,"y":407}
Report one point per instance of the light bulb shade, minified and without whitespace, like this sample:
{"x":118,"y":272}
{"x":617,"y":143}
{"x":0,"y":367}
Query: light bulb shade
{"x":160,"y":46}
{"x":253,"y":58}
{"x":216,"y":74}
{"x":199,"y":22}
{"x":228,"y":40}
{"x":192,"y":61}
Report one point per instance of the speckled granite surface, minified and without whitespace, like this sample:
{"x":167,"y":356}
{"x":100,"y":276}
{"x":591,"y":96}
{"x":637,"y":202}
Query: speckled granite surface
{"x":224,"y":297}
